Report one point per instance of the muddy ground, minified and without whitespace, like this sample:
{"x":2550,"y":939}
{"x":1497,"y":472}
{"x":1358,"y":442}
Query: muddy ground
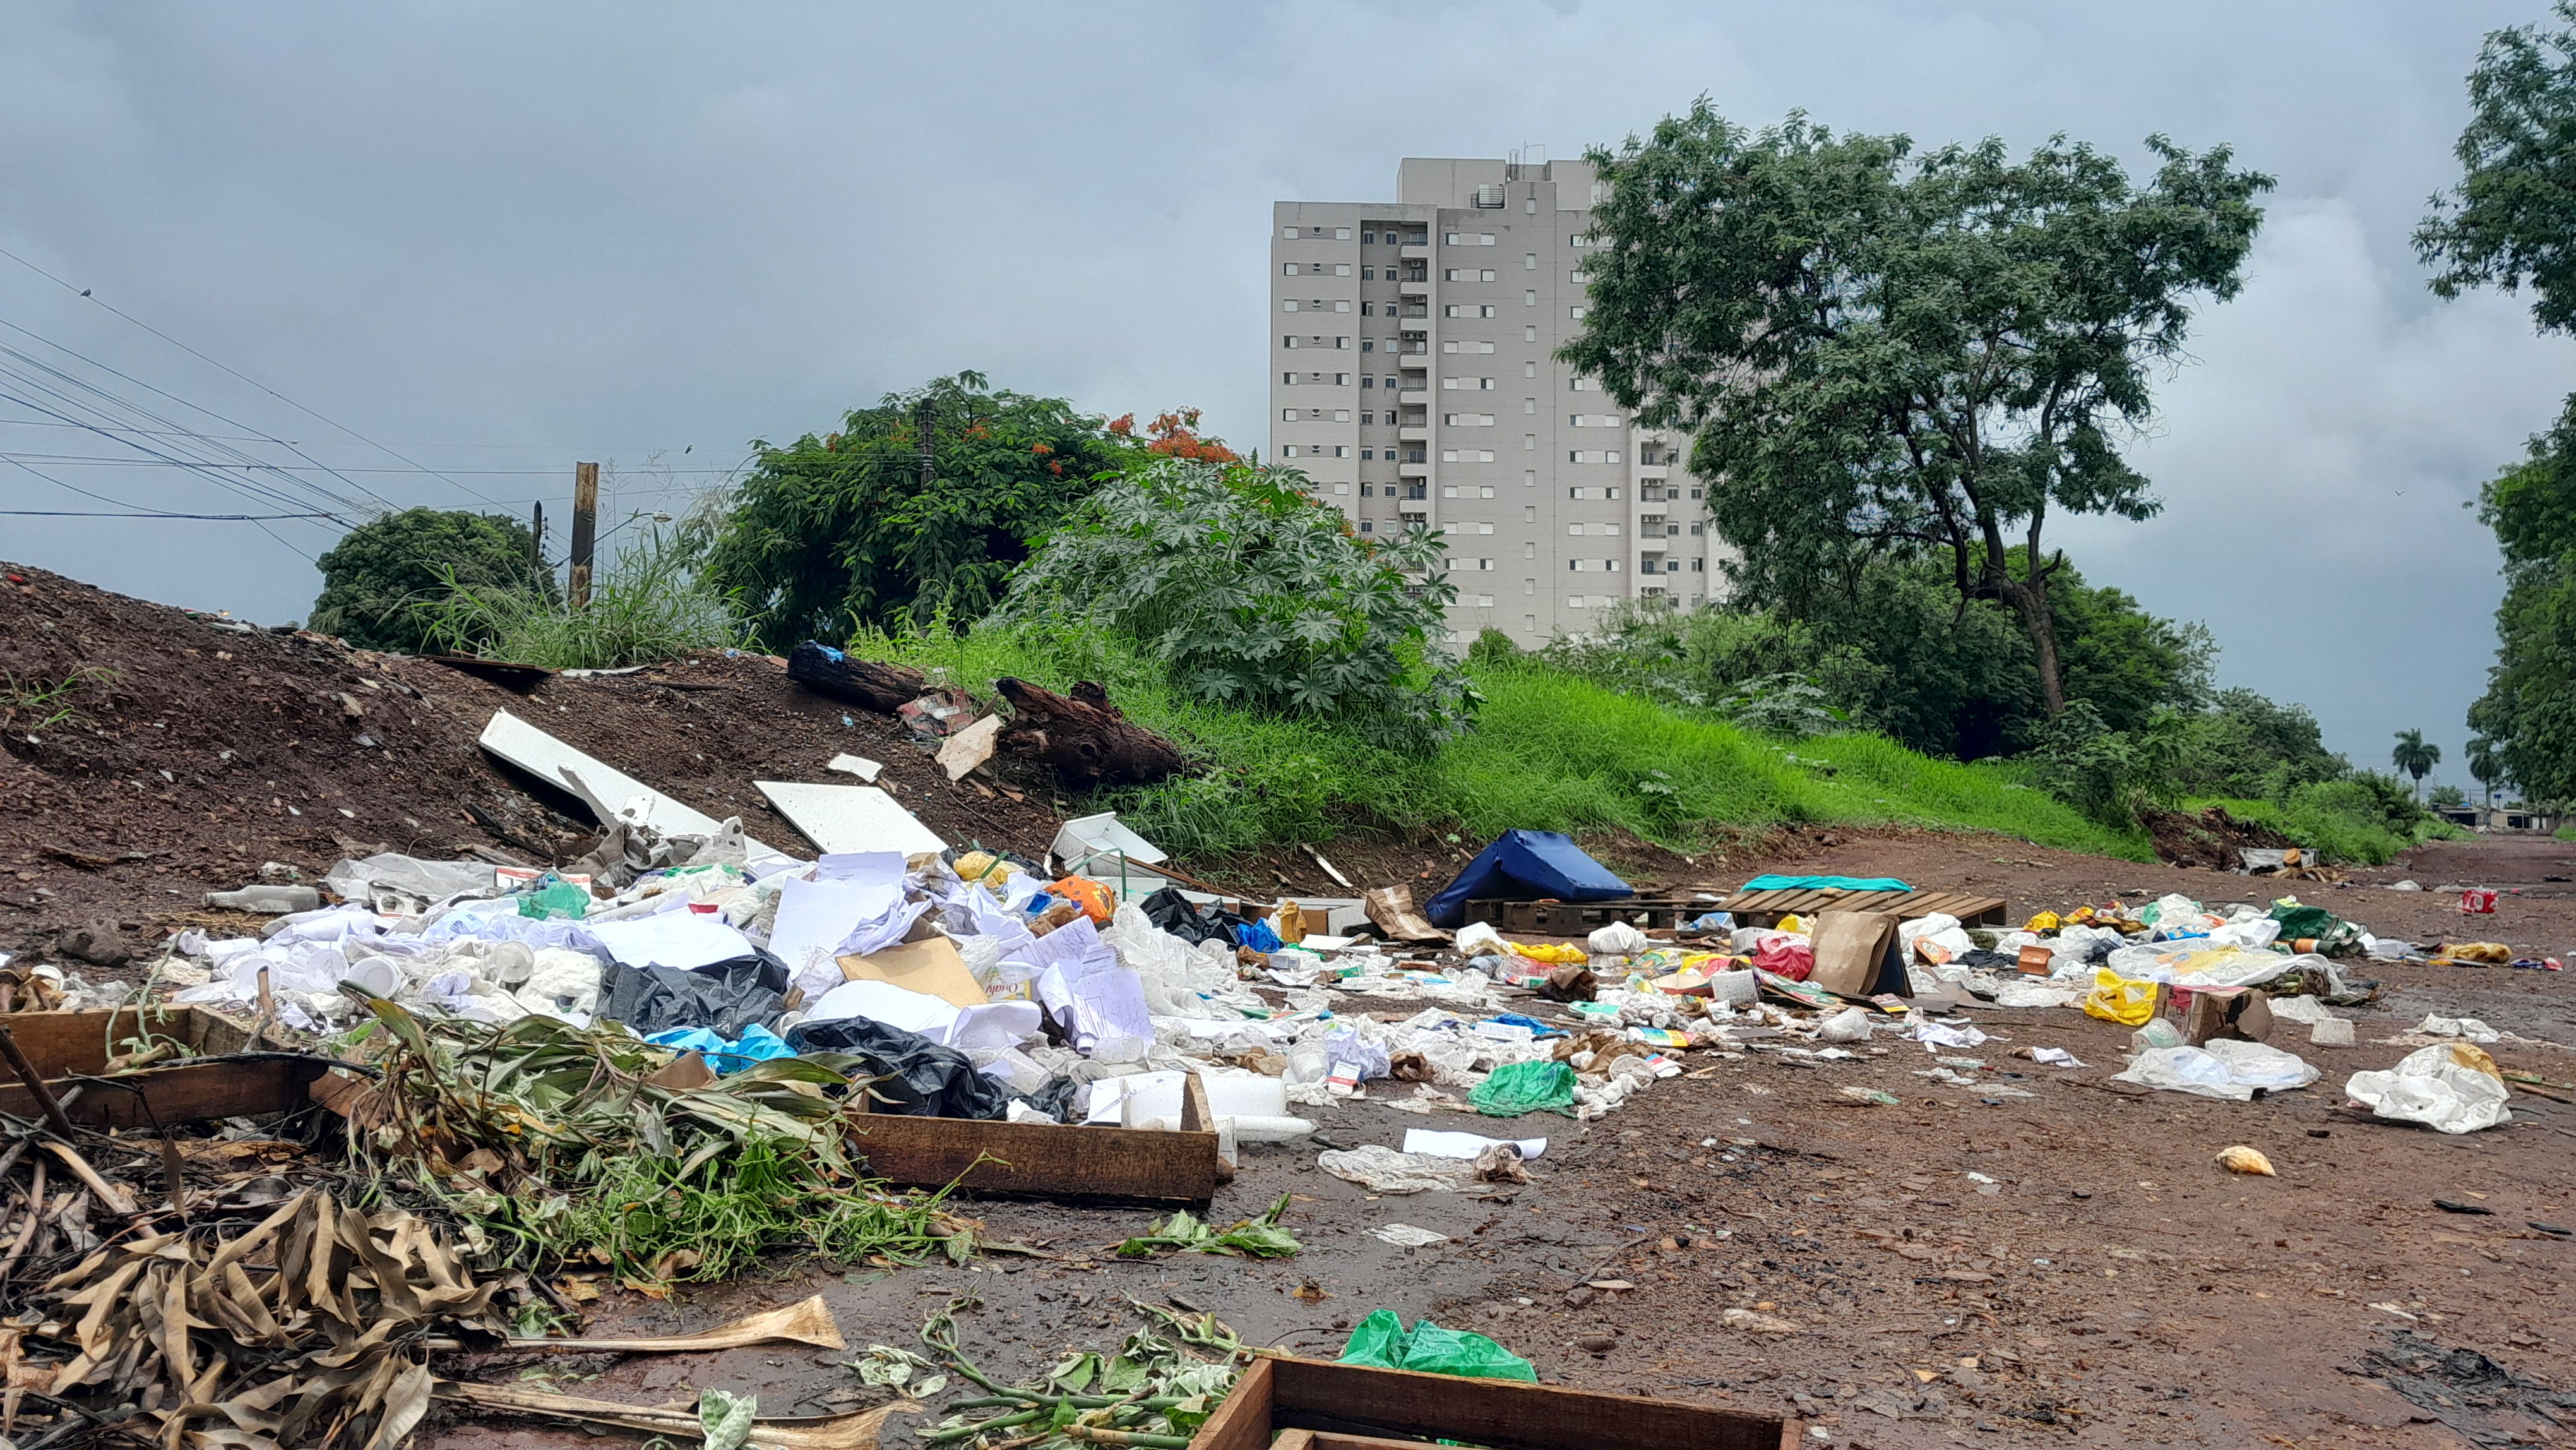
{"x":2109,"y":1286}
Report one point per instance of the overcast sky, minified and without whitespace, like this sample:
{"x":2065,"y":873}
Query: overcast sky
{"x":497,"y":238}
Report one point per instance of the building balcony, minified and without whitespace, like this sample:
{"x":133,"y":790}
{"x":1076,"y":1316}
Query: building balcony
{"x":1413,"y":470}
{"x":1420,"y":359}
{"x":1415,"y":289}
{"x":1411,"y":434}
{"x":1421,"y":253}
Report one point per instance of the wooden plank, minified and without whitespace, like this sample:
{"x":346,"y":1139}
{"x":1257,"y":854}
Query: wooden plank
{"x":60,"y":1043}
{"x":1037,"y":1158}
{"x":187,"y":1093}
{"x":1242,"y":1421}
{"x":1507,"y":1414}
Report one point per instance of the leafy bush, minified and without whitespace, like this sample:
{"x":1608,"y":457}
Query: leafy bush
{"x":1254,"y":595}
{"x":382,"y":583}
{"x":848,"y":528}
{"x":646,"y":607}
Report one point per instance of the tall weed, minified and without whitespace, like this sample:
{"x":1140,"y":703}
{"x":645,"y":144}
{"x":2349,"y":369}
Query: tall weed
{"x":646,"y":607}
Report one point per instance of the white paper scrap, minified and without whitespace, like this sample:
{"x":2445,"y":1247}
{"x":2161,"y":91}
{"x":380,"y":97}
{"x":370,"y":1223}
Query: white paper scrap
{"x":1464,"y":1145}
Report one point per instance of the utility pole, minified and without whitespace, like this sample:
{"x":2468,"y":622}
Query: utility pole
{"x":585,"y":529}
{"x":537,"y":541}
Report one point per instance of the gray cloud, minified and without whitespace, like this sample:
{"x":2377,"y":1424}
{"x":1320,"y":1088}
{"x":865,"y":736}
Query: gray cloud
{"x":509,"y":237}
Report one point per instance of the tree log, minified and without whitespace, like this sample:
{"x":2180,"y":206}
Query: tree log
{"x":830,"y":673}
{"x":1085,"y":738}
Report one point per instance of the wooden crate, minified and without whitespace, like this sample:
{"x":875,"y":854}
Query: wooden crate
{"x":1762,"y":908}
{"x":1579,"y":918}
{"x":70,"y":1047}
{"x":1052,"y":1160}
{"x":1327,"y":1406}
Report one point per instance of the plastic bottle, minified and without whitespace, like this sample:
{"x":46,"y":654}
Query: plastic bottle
{"x":272,"y":900}
{"x":2158,"y":1033}
{"x":1306,"y":1063}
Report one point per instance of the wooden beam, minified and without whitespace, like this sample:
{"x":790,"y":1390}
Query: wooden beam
{"x":1346,"y":1400}
{"x":1050,"y":1159}
{"x":187,"y":1093}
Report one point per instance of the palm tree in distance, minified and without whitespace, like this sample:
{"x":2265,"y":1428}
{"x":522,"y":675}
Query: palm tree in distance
{"x":2485,"y":767}
{"x":2416,"y":756}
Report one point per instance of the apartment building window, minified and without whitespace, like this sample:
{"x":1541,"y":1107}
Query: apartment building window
{"x":1529,"y":551}
{"x":1486,"y":528}
{"x":1485,"y":490}
{"x":1449,"y":491}
{"x":1574,"y":531}
{"x":1288,"y":304}
{"x":1529,"y":513}
{"x":1341,"y":450}
{"x":1581,"y":385}
{"x":1528,"y":442}
{"x":1342,"y":344}
{"x":1343,"y":306}
{"x":1698,"y":566}
{"x":1529,"y":478}
{"x":1529,"y":334}
{"x":1467,"y":309}
{"x":1288,"y":415}
{"x":1609,"y":566}
{"x":1529,"y":261}
{"x":1529,"y":405}
{"x":1368,"y":309}
{"x":1469,"y":239}
{"x":1341,"y":269}
{"x":1529,"y":299}
{"x":1288,"y":450}
{"x":1368,"y":526}
{"x":1578,"y":240}
{"x":1610,"y":457}
{"x":1342,"y":380}
{"x":1369,"y":344}
{"x":1577,"y":566}
{"x":1695,"y":530}
{"x":1672,"y":531}
{"x":1341,"y":234}
{"x":1367,"y":418}
{"x":1288,"y":232}
{"x":1610,"y":530}
{"x":1694,"y":493}
{"x":1340,"y":487}
{"x":1287,"y":269}
{"x":1575,"y":312}
{"x":1288,"y":379}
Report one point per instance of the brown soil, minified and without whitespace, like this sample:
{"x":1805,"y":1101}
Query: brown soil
{"x":2213,"y":838}
{"x":198,"y":754}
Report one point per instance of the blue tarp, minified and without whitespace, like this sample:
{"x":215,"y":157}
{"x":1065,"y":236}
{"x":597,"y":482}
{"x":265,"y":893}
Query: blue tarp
{"x":1525,"y":866}
{"x":1820,"y":883}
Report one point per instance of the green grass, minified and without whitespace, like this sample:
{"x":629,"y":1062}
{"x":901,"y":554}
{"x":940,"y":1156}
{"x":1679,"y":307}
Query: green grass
{"x":2345,"y":834}
{"x":1549,"y":752}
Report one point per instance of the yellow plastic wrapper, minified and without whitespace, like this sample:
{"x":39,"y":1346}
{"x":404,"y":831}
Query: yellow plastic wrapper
{"x":1790,"y":923}
{"x":2046,"y":921}
{"x":1557,"y":953}
{"x":2115,"y":998}
{"x":2241,"y":1159}
{"x":984,"y":866}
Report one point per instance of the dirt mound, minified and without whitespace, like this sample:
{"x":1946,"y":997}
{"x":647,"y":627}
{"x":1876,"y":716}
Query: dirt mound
{"x":2212,"y":839}
{"x":150,"y":754}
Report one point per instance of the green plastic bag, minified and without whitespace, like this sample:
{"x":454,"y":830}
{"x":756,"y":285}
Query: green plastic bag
{"x":556,"y":901}
{"x":2333,"y":934}
{"x":1382,"y":1342}
{"x":1524,"y":1087}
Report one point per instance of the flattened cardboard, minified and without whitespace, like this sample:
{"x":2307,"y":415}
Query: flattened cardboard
{"x":1391,"y":908}
{"x":930,"y":965}
{"x":1852,"y":952}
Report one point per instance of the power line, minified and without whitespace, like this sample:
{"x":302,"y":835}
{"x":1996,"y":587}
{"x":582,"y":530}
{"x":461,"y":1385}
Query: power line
{"x":150,"y":514}
{"x":95,"y":460}
{"x":263,"y":387}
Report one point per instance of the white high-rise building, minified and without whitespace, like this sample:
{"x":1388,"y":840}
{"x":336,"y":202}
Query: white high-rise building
{"x":1414,"y":380}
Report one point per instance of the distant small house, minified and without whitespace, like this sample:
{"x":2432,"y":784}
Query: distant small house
{"x":2502,"y":818}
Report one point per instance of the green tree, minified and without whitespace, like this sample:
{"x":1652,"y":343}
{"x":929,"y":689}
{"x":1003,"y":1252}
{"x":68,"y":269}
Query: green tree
{"x":2448,"y":795}
{"x":916,"y":508}
{"x":2416,"y":756}
{"x":1256,"y":596}
{"x":2486,"y":767}
{"x":2511,"y":221}
{"x":1880,"y":353}
{"x":2250,"y":746}
{"x":385,"y":579}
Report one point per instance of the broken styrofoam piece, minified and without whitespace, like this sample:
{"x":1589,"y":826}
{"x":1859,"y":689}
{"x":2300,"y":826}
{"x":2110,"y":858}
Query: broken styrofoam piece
{"x":2449,"y":1087}
{"x":970,"y":747}
{"x":602,"y":787}
{"x":2467,"y":1028}
{"x":2331,"y":1032}
{"x":1388,"y":1171}
{"x":859,"y":765}
{"x":1081,"y":839}
{"x":1406,"y":1236}
{"x":840,"y":819}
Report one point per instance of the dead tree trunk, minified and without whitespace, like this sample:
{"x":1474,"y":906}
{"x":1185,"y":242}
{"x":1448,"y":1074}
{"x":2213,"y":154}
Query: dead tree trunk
{"x":1086,"y":739}
{"x":830,"y":673}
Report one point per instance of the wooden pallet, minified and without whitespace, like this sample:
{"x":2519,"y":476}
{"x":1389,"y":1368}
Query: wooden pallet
{"x":1578,"y":918}
{"x":1325,"y":1406}
{"x":1762,"y":908}
{"x":226,"y":1079}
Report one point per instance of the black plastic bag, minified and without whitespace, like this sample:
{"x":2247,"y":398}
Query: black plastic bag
{"x":1170,"y":911}
{"x":725,"y":996}
{"x":921,"y":1078}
